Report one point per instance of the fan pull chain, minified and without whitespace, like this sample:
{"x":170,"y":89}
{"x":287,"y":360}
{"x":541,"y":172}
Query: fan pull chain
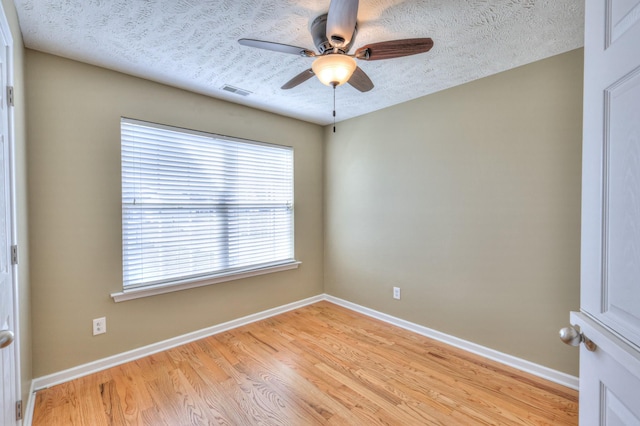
{"x":334,"y":108}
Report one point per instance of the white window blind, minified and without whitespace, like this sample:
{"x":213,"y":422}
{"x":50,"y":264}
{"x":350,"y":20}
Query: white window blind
{"x":198,"y":205}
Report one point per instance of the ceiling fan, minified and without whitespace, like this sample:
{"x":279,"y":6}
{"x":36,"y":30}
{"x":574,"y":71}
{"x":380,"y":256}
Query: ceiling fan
{"x":333,"y":35}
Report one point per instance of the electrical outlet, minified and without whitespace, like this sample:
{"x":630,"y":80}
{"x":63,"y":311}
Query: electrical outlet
{"x":99,"y":325}
{"x":396,"y":293}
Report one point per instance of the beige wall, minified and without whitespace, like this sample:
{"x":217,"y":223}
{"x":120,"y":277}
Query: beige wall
{"x":469,"y":200}
{"x":74,"y":115}
{"x":20,"y":172}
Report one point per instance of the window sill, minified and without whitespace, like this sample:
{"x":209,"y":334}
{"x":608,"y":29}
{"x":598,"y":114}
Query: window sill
{"x":136,"y":293}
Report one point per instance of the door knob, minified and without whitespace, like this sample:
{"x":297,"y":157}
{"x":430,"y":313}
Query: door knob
{"x":572,"y":337}
{"x":6,"y":338}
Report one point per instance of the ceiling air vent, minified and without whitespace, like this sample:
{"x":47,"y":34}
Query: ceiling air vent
{"x":236,"y":90}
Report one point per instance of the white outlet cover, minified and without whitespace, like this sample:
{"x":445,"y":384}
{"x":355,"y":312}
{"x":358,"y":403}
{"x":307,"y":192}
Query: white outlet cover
{"x":99,"y":326}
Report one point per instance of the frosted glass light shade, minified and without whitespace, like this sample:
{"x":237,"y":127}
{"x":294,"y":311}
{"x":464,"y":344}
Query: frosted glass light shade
{"x":334,"y":69}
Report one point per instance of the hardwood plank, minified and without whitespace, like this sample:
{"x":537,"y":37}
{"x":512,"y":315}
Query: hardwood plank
{"x":134,"y":397}
{"x":321,"y":364}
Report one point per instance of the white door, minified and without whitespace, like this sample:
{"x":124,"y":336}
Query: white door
{"x":610,"y":271}
{"x":8,"y":369}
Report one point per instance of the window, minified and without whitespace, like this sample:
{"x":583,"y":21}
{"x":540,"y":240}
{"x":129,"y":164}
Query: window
{"x":198,"y":206}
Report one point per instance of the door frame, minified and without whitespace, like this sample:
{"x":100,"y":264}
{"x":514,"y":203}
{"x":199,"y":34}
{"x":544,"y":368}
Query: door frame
{"x":5,"y":29}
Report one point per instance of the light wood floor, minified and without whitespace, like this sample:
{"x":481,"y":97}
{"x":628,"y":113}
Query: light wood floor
{"x":321,"y":364}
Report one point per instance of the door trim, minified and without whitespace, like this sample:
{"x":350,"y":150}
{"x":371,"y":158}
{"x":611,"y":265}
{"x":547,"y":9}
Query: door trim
{"x":5,"y":29}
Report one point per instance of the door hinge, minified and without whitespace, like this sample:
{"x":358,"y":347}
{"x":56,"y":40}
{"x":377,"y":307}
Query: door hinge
{"x":19,"y":410}
{"x":14,"y":255}
{"x":10,"y":95}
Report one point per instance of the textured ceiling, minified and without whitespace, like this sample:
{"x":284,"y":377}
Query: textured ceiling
{"x":192,"y":44}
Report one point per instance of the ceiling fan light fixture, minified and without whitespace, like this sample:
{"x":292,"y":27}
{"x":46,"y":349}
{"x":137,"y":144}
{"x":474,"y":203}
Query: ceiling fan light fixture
{"x":334,"y":69}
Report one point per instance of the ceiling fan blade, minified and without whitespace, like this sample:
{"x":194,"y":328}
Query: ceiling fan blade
{"x":394,"y":49}
{"x":298,"y":79}
{"x":341,"y":21}
{"x":360,"y":80}
{"x":276,"y":47}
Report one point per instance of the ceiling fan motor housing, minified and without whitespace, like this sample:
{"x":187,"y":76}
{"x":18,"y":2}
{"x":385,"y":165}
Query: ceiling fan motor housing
{"x":319,"y":33}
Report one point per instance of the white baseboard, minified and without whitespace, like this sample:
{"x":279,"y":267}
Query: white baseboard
{"x":112,"y":361}
{"x":512,"y":361}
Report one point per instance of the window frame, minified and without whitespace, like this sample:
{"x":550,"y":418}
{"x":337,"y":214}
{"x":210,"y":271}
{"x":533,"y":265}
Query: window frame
{"x":202,"y":279}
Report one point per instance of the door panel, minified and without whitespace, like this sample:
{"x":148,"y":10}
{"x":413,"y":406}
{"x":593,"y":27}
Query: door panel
{"x":620,"y":16}
{"x":611,"y":154}
{"x":621,"y":292}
